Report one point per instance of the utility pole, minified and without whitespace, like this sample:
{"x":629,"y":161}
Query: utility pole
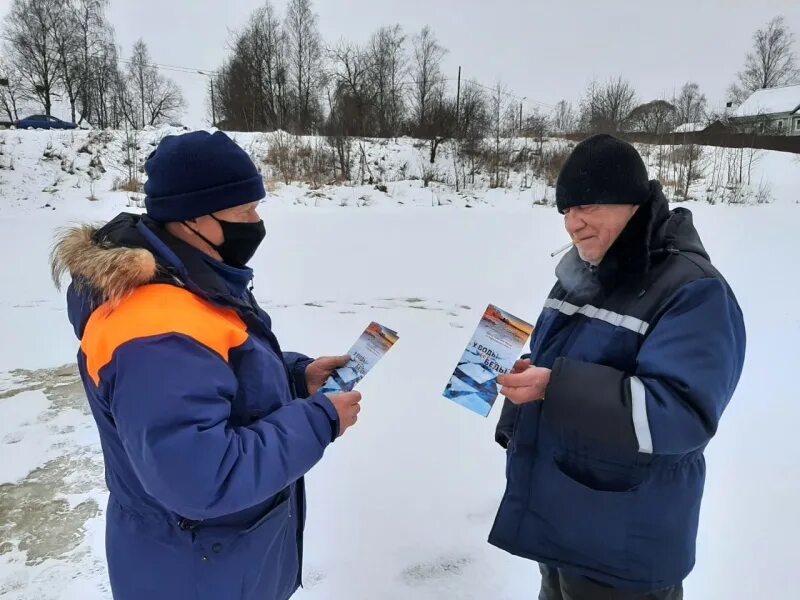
{"x":213,"y":103}
{"x":457,"y":131}
{"x":458,"y":96}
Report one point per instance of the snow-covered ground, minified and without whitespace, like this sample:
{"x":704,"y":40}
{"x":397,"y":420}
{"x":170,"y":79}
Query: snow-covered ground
{"x":70,"y":170}
{"x":401,"y":506}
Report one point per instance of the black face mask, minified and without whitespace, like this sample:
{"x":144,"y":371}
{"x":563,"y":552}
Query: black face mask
{"x":240,"y":241}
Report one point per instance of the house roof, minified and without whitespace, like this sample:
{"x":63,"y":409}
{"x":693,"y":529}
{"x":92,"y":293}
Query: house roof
{"x":690,"y":127}
{"x":770,"y":101}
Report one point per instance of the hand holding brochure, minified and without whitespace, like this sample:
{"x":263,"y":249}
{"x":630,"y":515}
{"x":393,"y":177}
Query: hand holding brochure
{"x":492,"y":351}
{"x":376,"y":341}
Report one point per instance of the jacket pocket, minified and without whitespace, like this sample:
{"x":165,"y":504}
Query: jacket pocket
{"x":269,"y":547}
{"x":599,"y":478}
{"x":277,"y":512}
{"x":586,"y":527}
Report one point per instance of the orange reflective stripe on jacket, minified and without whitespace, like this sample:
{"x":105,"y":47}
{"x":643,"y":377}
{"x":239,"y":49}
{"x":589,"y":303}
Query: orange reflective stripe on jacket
{"x":159,"y":309}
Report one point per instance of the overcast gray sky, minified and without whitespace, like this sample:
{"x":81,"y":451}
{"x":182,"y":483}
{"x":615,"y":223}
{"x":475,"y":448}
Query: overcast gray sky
{"x":545,"y":50}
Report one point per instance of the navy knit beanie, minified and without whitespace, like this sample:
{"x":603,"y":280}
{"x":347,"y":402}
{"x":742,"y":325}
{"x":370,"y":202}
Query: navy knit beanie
{"x":199,"y":173}
{"x":602,"y":170}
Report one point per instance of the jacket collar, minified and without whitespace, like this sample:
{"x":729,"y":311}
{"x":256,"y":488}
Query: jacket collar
{"x":110,"y":262}
{"x":653,"y":233}
{"x":639,"y":244}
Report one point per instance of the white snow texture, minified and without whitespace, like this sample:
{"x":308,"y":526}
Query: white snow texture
{"x":401,"y":506}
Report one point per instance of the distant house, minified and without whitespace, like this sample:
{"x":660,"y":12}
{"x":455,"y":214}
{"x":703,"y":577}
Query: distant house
{"x":772,"y":110}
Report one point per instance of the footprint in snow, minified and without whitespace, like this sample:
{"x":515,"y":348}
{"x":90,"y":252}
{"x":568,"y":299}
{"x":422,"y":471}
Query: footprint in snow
{"x":312,"y":578}
{"x":13,"y":438}
{"x":440,"y":568}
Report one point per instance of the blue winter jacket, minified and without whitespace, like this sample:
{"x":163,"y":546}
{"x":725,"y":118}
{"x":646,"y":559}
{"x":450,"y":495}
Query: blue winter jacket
{"x":204,"y":422}
{"x":605,"y":475}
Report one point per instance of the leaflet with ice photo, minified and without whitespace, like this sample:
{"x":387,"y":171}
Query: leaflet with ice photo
{"x":368,"y":350}
{"x":495,"y":346}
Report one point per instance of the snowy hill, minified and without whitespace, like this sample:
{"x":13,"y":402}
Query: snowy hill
{"x":400,"y":507}
{"x":68,"y":169}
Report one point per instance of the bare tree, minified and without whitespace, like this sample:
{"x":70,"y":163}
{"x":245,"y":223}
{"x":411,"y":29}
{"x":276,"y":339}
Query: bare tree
{"x":270,"y":68}
{"x":165,"y":101}
{"x":471,"y":128}
{"x":502,"y":116}
{"x":689,"y":158}
{"x":338,"y":139}
{"x":771,"y":62}
{"x":150,"y":97}
{"x":68,"y":51}
{"x":29,"y":29}
{"x":141,"y":74}
{"x":252,"y":86}
{"x":537,"y":126}
{"x":305,"y":45}
{"x":10,"y":93}
{"x":240,"y":100}
{"x":353,"y":90}
{"x":563,"y":117}
{"x":388,"y":67}
{"x":473,"y":120}
{"x":427,"y":74}
{"x":657,"y":116}
{"x":106,"y":87}
{"x":441,"y":124}
{"x":606,"y":107}
{"x":94,"y":36}
{"x":690,"y":105}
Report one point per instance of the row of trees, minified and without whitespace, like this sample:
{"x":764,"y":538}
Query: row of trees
{"x":65,"y":50}
{"x":280,"y":75}
{"x":614,"y":106}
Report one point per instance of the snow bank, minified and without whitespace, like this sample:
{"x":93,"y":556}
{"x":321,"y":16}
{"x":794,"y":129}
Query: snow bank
{"x":73,"y":171}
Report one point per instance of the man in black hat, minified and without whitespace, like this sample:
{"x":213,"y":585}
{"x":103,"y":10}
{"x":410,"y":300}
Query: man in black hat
{"x":637,"y":353}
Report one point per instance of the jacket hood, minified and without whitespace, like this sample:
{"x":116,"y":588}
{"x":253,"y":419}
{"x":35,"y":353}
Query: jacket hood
{"x":680,"y":233}
{"x":108,"y":263}
{"x":112,"y":271}
{"x":652,"y":233}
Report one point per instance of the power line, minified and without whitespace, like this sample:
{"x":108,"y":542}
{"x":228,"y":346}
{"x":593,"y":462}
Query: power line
{"x":177,"y":69}
{"x":521,"y":98}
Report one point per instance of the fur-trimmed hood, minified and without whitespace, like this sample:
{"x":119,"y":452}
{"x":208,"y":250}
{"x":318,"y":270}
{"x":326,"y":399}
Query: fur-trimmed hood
{"x":111,"y":271}
{"x":107,"y":263}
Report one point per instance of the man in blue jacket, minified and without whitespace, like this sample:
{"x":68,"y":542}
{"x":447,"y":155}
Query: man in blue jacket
{"x":634,"y":358}
{"x":207,"y":426}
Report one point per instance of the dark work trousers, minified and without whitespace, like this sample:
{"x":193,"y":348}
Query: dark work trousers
{"x":557,"y":586}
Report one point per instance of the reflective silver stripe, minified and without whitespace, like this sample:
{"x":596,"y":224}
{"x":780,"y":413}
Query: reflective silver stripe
{"x":639,"y":409}
{"x":616,"y":319}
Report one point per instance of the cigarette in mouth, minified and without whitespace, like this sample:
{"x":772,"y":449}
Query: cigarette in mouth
{"x":562,"y":249}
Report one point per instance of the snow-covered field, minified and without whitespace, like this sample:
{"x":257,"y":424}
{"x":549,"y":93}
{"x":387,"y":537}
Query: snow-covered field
{"x":401,"y":506}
